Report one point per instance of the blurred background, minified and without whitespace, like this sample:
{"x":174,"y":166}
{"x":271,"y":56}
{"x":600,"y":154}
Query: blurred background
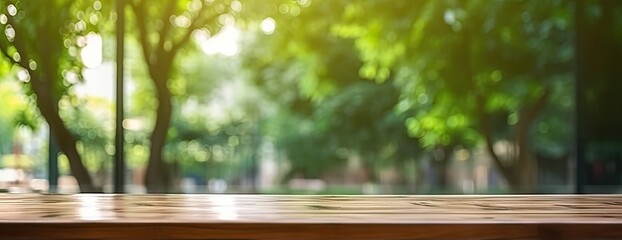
{"x":311,"y":96}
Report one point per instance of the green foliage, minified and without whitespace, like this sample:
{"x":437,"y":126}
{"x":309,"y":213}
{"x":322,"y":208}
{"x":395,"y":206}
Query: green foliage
{"x":43,"y":40}
{"x":300,"y":38}
{"x":382,"y":81}
{"x":463,"y":73}
{"x":453,"y":57}
{"x":93,"y":130}
{"x":326,"y":113}
{"x":13,"y":105}
{"x":45,"y":20}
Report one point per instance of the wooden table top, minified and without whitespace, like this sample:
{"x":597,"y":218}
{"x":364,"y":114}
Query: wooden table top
{"x":309,"y":217}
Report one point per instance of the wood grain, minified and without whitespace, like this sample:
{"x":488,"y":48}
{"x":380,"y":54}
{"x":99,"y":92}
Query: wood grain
{"x":32,"y":216}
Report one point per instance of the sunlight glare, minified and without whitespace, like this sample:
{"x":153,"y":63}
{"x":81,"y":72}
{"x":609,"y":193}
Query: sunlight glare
{"x":91,"y":54}
{"x":89,"y":209}
{"x":224,"y":206}
{"x":268,"y":26}
{"x":98,"y":82}
{"x":10,"y":33}
{"x":226,"y":42}
{"x":11,"y":9}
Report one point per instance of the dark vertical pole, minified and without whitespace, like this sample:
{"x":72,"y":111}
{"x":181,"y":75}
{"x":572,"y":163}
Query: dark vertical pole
{"x":254,"y":156}
{"x":580,"y":85}
{"x":52,"y":164}
{"x":119,"y":164}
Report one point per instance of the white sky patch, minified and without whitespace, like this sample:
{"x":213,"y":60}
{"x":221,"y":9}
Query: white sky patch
{"x":91,"y":54}
{"x":98,"y":82}
{"x":98,"y":77}
{"x":226,"y":42}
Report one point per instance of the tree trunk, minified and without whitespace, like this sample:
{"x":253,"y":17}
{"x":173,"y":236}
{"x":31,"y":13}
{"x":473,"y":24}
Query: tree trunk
{"x":528,"y":170}
{"x":526,"y":165}
{"x":440,"y":162}
{"x":159,"y":62}
{"x":66,"y":141}
{"x":157,"y":178}
{"x":522,"y":174}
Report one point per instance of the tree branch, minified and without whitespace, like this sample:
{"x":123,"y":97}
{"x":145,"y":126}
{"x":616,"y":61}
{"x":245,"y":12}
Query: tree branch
{"x":166,"y":28}
{"x":531,"y":112}
{"x":488,"y":138}
{"x":139,"y":12}
{"x":199,"y":21}
{"x":5,"y":53}
{"x":506,"y":171}
{"x":527,"y":116}
{"x":17,"y":43}
{"x":3,"y":49}
{"x":67,"y":4}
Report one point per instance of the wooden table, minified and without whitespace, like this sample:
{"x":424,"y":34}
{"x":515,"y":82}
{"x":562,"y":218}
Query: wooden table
{"x":31,"y":216}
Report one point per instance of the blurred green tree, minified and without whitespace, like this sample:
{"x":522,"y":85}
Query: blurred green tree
{"x":163,"y":28}
{"x":326,"y":111}
{"x":42,"y":40}
{"x":469,"y":72}
{"x":473,"y":70}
